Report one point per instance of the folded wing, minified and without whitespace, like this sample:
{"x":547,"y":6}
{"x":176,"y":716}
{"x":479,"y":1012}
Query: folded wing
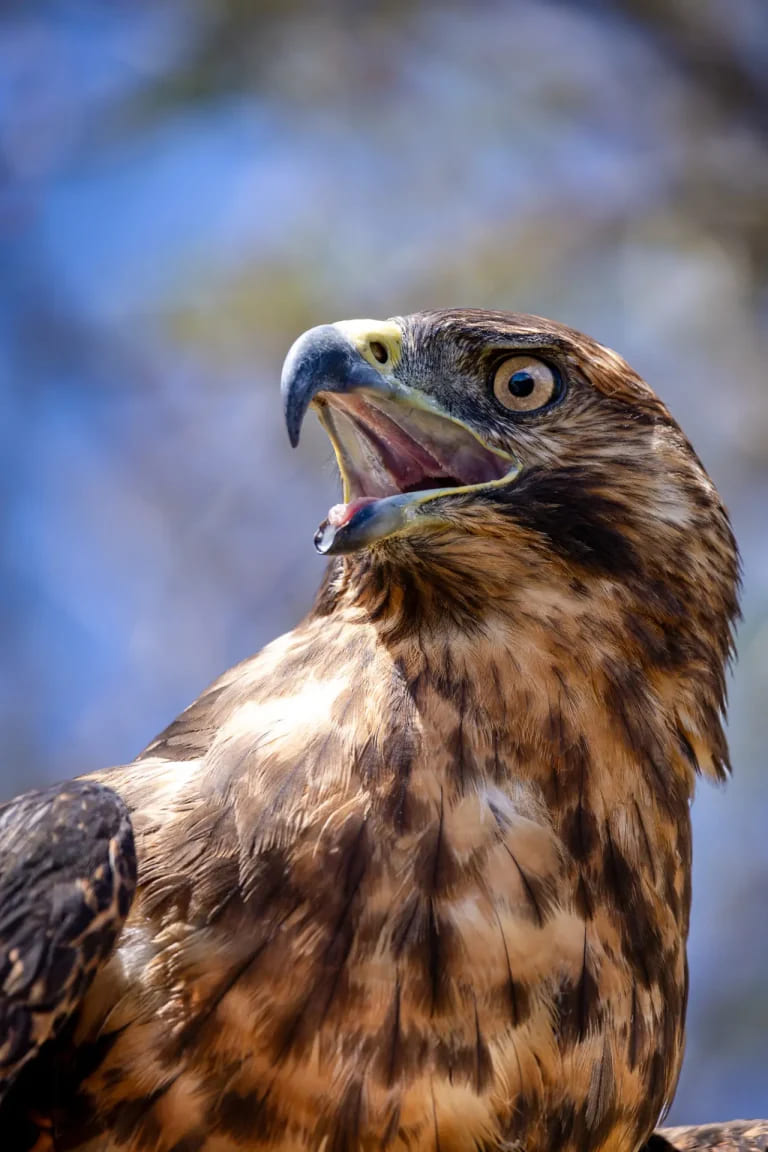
{"x":67,"y":878}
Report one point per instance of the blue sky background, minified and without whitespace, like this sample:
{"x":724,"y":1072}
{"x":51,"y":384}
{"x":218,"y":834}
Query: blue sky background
{"x":186,"y":186}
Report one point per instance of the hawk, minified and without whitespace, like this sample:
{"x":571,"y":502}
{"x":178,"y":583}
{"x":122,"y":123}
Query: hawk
{"x":417,"y":876}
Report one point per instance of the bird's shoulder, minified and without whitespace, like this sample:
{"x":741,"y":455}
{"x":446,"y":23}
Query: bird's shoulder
{"x":243,"y":771}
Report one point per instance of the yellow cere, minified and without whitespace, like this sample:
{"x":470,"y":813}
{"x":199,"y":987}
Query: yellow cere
{"x":366,"y":334}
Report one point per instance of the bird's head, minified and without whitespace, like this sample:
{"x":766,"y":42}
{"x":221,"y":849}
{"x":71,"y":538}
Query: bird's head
{"x":507,"y":460}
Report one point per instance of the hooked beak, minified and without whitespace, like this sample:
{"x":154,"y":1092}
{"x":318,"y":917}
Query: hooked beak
{"x":396,"y":448}
{"x":321,"y":360}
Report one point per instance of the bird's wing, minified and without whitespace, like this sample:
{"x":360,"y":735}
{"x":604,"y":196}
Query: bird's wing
{"x":67,"y":878}
{"x":733,"y":1136}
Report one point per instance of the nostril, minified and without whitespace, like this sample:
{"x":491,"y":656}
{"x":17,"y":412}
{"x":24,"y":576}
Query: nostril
{"x":379,"y":351}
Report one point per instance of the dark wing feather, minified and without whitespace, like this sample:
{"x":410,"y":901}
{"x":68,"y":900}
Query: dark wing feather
{"x":67,"y":878}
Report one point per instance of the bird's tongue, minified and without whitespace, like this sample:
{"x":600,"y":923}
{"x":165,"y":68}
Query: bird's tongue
{"x":341,"y":514}
{"x":394,"y":454}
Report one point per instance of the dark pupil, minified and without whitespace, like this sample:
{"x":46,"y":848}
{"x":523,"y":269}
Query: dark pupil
{"x":521,"y":383}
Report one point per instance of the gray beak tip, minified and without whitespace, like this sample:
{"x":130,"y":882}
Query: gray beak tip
{"x":321,"y":360}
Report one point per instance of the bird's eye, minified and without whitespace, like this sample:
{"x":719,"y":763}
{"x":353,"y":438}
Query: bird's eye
{"x":523,"y":384}
{"x":379,"y":351}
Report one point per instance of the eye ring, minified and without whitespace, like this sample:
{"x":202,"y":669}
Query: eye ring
{"x":526,"y":384}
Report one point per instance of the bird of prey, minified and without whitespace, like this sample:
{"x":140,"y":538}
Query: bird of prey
{"x":416,"y":876}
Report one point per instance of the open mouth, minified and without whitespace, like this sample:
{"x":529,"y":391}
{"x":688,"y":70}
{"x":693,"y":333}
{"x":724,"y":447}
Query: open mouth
{"x":393,"y":458}
{"x":396,"y":448}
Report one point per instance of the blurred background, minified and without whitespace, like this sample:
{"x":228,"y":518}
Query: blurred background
{"x":185,"y":185}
